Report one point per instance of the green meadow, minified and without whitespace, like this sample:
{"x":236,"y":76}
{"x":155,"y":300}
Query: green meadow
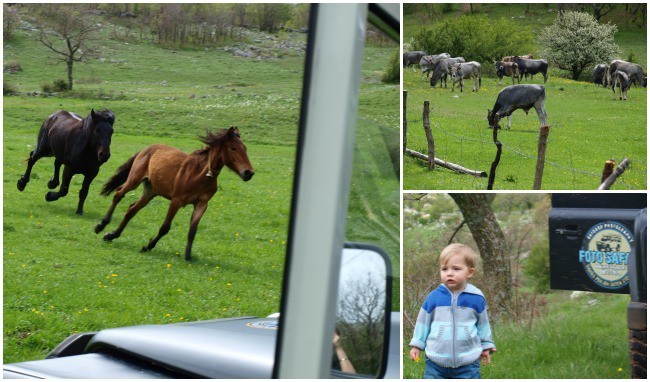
{"x":61,"y":278}
{"x":588,"y":125}
{"x":574,"y":339}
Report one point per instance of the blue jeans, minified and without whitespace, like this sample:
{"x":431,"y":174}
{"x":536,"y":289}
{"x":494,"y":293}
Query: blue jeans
{"x":434,"y":371}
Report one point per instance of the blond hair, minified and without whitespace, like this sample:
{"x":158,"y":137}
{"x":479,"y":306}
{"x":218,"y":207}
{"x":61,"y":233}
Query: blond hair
{"x":468,"y":254}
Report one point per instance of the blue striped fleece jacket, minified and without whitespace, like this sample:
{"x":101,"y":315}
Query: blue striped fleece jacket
{"x":453,"y":329}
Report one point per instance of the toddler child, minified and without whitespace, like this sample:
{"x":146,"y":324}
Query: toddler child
{"x":452,"y":326}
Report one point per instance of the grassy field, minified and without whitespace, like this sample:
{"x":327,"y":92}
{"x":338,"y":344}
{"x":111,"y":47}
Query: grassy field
{"x":574,"y":340}
{"x":589,"y":125}
{"x":60,"y":278}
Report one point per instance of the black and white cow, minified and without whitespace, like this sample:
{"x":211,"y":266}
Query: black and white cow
{"x":443,"y":69}
{"x":600,"y":75}
{"x":515,"y":97}
{"x":428,"y":63}
{"x":621,"y":80}
{"x":412,"y":58}
{"x":532,"y":67}
{"x":634,"y":72}
{"x":464,"y":70}
{"x":510,"y":69}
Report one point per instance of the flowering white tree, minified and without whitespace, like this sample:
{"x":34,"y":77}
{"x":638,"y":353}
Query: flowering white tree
{"x":576,"y":41}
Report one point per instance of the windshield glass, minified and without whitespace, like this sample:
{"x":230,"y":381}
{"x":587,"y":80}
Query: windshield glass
{"x":168,"y":72}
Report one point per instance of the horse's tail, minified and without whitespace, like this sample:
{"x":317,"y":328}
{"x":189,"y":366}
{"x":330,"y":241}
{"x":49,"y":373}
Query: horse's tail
{"x":121,"y":175}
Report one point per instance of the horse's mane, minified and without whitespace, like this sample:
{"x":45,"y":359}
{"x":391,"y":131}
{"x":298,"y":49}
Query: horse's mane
{"x":104,"y":114}
{"x":213,"y":138}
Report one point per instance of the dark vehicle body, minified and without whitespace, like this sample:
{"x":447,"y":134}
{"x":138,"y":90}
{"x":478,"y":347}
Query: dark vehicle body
{"x":598,"y":243}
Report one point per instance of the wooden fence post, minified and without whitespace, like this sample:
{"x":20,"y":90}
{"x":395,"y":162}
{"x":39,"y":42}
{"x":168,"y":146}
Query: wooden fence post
{"x":427,"y":131}
{"x":618,"y":171}
{"x":404,"y":123}
{"x":608,"y":170}
{"x":541,"y":157}
{"x":497,"y":158}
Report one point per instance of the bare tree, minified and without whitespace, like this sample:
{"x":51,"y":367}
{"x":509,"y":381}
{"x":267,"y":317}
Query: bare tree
{"x":69,"y":32}
{"x":492,"y":246}
{"x":360,"y":319}
{"x":601,"y":9}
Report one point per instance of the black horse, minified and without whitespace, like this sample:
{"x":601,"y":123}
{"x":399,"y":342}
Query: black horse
{"x":81,"y":144}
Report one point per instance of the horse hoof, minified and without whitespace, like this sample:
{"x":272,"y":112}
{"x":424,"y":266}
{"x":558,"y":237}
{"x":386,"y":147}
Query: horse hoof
{"x":51,"y":196}
{"x":145,"y":249}
{"x":99,"y":228}
{"x":52,"y":184}
{"x":21,"y":184}
{"x":80,"y":212}
{"x":109,"y":236}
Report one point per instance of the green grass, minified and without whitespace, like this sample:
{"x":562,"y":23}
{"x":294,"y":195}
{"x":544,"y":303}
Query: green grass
{"x":588,"y":126}
{"x":61,"y":278}
{"x":572,"y":340}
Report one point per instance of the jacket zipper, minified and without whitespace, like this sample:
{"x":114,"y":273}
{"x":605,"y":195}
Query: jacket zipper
{"x":453,"y":329}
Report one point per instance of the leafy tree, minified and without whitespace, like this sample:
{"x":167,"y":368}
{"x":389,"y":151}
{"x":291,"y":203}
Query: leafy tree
{"x":10,"y":21}
{"x":392,"y":72}
{"x":69,"y":32}
{"x":476,"y":38}
{"x":577,"y":41}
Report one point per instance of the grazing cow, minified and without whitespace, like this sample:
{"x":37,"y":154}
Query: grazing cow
{"x":516,"y":97}
{"x":510,"y":69}
{"x":600,"y":75}
{"x":412,"y":58}
{"x":623,"y":81}
{"x":443,"y":69}
{"x":510,"y":58}
{"x":633,"y":71}
{"x":532,"y":67}
{"x":427,"y":63}
{"x":464,"y":70}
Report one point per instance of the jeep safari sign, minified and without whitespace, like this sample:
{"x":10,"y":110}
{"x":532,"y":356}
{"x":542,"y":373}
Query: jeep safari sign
{"x":591,"y":240}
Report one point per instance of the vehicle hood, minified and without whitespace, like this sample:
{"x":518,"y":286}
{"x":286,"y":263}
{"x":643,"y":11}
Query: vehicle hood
{"x":225,"y":348}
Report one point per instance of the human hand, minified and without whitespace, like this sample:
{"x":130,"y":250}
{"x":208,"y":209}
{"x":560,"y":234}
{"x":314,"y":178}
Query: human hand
{"x":415,"y":354}
{"x":336,"y":341}
{"x":485,"y":356}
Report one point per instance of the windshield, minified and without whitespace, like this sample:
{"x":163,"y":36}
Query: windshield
{"x":169,"y":73}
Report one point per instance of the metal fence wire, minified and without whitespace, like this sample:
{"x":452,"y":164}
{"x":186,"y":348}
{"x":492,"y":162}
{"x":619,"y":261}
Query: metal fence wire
{"x":450,"y":137}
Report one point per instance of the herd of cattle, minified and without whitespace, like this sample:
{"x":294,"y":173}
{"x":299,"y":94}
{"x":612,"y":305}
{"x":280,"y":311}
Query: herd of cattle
{"x":438,"y":67}
{"x":619,"y":74}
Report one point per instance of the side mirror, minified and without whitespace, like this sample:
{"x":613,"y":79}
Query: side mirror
{"x":362,"y":328}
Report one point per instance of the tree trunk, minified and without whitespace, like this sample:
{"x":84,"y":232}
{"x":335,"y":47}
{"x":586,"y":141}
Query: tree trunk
{"x":492,"y":247}
{"x":70,"y":62}
{"x":575,"y":73}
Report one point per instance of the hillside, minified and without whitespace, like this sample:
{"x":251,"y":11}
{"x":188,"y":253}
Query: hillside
{"x":631,"y":38}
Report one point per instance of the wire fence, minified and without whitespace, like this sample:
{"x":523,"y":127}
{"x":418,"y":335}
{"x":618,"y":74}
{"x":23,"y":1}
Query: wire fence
{"x":479,"y":152}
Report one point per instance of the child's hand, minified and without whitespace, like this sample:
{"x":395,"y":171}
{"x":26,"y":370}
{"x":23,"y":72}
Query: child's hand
{"x":415,"y":354}
{"x":485,"y":356}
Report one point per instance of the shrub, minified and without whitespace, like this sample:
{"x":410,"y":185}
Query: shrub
{"x":537,"y":267}
{"x":393,"y":70}
{"x":476,"y":38}
{"x":60,"y":85}
{"x":46,"y":88}
{"x":12,"y":67}
{"x":8,"y":89}
{"x":631,"y":57}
